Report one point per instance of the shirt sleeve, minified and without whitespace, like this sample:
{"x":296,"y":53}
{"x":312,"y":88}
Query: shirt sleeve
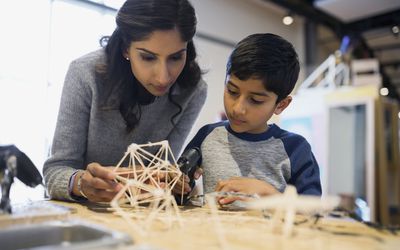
{"x":70,"y":137}
{"x":305,"y":174}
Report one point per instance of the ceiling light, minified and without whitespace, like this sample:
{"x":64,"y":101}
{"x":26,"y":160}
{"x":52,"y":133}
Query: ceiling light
{"x":384,"y":91}
{"x":395,"y":29}
{"x":288,"y":19}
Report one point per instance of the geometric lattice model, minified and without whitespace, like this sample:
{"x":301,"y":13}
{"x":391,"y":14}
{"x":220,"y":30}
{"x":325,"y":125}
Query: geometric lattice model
{"x":148,"y":180}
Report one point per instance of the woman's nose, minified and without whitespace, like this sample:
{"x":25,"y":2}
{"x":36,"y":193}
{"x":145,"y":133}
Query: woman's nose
{"x":163,"y":75}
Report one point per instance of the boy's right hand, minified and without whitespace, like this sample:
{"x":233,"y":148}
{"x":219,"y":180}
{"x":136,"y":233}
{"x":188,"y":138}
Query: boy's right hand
{"x":182,"y":185}
{"x":185,"y":182}
{"x":198,"y":173}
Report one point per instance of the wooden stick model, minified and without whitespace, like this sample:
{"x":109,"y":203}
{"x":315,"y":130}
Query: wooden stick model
{"x":288,"y":203}
{"x":149,"y":179}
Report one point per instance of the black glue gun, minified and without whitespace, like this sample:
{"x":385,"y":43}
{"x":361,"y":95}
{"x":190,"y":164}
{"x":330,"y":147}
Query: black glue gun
{"x":188,"y":163}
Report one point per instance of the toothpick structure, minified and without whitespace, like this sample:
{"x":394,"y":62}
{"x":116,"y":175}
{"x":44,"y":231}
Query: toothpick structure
{"x":149,"y":180}
{"x":288,"y":204}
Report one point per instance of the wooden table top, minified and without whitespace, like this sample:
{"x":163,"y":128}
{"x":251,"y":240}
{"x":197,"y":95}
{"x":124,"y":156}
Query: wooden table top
{"x":199,"y":229}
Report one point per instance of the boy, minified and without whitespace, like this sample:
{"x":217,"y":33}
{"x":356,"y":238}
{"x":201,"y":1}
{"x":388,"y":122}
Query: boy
{"x":244,"y":154}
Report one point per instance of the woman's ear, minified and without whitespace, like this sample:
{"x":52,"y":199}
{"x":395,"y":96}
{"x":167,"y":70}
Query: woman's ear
{"x":282,"y":105}
{"x":125,"y":54}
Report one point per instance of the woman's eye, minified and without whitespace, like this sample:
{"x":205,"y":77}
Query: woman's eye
{"x":176,"y":58}
{"x":147,"y":57}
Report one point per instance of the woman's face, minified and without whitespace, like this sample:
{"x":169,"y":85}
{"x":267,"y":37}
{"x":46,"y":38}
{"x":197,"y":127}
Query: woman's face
{"x":158,"y":61}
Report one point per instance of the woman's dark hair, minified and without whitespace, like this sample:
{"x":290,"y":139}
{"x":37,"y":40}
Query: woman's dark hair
{"x":266,"y":57}
{"x":136,"y":20}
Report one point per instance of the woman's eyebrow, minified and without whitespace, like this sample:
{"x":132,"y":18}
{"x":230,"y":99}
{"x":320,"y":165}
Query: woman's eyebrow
{"x":178,"y":52}
{"x":153,"y":53}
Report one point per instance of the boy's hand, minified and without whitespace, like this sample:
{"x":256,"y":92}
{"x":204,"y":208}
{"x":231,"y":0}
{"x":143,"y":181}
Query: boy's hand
{"x":244,"y":185}
{"x":183,"y":181}
{"x":198,"y":173}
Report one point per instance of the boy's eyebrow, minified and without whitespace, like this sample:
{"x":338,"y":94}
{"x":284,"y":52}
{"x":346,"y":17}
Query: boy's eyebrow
{"x":253,"y":93}
{"x":153,"y":53}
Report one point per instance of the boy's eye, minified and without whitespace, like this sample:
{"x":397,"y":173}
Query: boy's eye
{"x":231,"y":92}
{"x":256,"y":101}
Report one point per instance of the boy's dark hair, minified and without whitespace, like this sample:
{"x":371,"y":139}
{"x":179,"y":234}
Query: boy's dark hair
{"x":136,"y":21}
{"x":267,"y":57}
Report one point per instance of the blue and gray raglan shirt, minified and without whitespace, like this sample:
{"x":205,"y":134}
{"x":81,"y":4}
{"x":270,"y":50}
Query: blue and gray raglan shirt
{"x":276,"y":156}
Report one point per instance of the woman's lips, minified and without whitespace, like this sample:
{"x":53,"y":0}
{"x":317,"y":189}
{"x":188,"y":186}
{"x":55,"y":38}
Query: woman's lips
{"x":161,"y":89}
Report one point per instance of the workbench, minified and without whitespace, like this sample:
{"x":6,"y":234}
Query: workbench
{"x":237,"y":229}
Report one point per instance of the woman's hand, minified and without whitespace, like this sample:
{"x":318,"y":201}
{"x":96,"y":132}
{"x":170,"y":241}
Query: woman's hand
{"x":97,"y":183}
{"x":243,"y":185}
{"x":184,"y":181}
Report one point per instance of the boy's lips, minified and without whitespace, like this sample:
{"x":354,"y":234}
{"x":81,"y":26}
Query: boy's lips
{"x":236,"y":121}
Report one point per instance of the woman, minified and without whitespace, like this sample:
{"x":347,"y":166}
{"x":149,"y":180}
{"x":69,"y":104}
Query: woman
{"x":144,"y":86}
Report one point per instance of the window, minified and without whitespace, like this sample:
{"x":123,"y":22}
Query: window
{"x":39,"y":40}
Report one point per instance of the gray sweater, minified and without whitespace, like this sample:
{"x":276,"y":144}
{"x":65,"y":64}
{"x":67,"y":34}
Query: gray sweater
{"x":86,"y":134}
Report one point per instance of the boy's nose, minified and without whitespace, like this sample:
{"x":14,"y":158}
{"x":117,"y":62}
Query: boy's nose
{"x":239,"y":108}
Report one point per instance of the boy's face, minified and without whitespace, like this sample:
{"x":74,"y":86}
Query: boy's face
{"x":248,"y":105}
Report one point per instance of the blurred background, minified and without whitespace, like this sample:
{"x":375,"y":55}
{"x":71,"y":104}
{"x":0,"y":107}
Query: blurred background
{"x":346,"y":102}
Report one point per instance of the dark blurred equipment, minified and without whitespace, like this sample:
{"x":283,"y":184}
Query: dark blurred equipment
{"x":188,"y":164}
{"x":13,"y":163}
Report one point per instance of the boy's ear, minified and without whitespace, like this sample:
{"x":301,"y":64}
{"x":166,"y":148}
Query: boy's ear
{"x":282,"y":105}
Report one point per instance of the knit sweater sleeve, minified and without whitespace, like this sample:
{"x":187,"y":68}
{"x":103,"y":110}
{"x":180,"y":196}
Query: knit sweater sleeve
{"x":69,"y":142}
{"x":190,"y":113}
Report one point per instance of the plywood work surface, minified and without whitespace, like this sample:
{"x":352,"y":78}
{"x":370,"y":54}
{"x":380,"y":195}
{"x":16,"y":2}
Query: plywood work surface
{"x":35,"y":212}
{"x":238,"y":230}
